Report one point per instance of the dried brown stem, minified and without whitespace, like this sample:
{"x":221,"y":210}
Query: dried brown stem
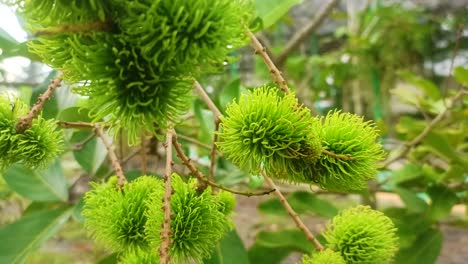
{"x":419,"y":138}
{"x":166,"y":226}
{"x":303,"y":34}
{"x":213,"y":152}
{"x":199,"y":175}
{"x":204,"y":96}
{"x":338,"y":156}
{"x":74,"y":28}
{"x":79,"y":125}
{"x":25,"y":121}
{"x":292,"y":213}
{"x":143,"y":153}
{"x":112,"y":156}
{"x":261,"y":51}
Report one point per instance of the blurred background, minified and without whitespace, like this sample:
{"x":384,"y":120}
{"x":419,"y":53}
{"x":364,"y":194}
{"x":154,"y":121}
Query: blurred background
{"x":399,"y":63}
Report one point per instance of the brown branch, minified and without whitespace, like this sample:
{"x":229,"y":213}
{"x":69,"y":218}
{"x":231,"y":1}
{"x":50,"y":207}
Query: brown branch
{"x":143,"y":155}
{"x":125,"y":160}
{"x":74,"y":28}
{"x":204,"y":96}
{"x":112,"y":156}
{"x":166,"y":226}
{"x":79,"y":125}
{"x":261,"y":51}
{"x":302,"y":35}
{"x":338,"y":156}
{"x":419,"y":138}
{"x":199,"y":175}
{"x":25,"y":121}
{"x":79,"y":146}
{"x":213,"y":151}
{"x":292,"y":213}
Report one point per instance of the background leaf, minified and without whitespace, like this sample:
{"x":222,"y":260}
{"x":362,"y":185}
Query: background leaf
{"x":270,"y":11}
{"x":425,"y":249}
{"x":230,"y":250}
{"x":30,"y":232}
{"x":46,"y":185}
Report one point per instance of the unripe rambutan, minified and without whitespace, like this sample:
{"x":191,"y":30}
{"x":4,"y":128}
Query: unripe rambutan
{"x":362,"y":235}
{"x":349,"y":135}
{"x":139,"y":256}
{"x":265,"y":128}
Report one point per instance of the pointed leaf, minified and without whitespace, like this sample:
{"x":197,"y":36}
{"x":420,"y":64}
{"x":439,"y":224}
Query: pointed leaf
{"x":425,"y":249}
{"x":443,"y":199}
{"x":46,"y":185}
{"x":461,"y":75}
{"x":230,"y":250}
{"x":412,"y":201}
{"x":29,"y":233}
{"x":270,"y":11}
{"x":92,"y":153}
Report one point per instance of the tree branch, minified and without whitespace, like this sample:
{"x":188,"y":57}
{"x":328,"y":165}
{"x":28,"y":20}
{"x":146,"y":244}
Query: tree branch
{"x":292,"y":213}
{"x":112,"y":156}
{"x":261,"y":51}
{"x":25,"y":121}
{"x":79,"y":125}
{"x":195,"y":172}
{"x":166,"y":231}
{"x":204,"y":96}
{"x":300,"y":36}
{"x":419,"y":138}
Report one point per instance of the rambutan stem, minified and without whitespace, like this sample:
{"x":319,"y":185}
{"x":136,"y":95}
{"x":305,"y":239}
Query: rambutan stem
{"x":166,"y":228}
{"x":25,"y":121}
{"x":112,"y":156}
{"x":338,"y":156}
{"x":293,"y":213}
{"x":261,"y":51}
{"x":199,"y":175}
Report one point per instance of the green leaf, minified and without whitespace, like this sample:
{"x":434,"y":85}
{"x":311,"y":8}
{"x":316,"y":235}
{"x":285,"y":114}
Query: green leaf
{"x":92,"y":153}
{"x":301,"y":202}
{"x":206,"y":121}
{"x":111,"y":259}
{"x":426,"y":86}
{"x":261,"y":254}
{"x":293,"y":239}
{"x":425,"y":249}
{"x":74,"y":114}
{"x":442,"y":201}
{"x":442,"y":147}
{"x":256,"y":181}
{"x":413,"y":203}
{"x":461,"y":75}
{"x":230,"y":250}
{"x":270,"y":11}
{"x":455,"y":172}
{"x":46,"y":185}
{"x":409,"y":173}
{"x":30,"y":232}
{"x":409,"y":225}
{"x":230,"y":92}
{"x":6,"y":40}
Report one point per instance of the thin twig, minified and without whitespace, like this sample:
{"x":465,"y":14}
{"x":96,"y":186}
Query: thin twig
{"x":199,"y":175}
{"x":338,"y":156}
{"x":124,"y":161}
{"x":194,"y":141}
{"x":79,"y":125}
{"x":204,"y":96}
{"x":25,"y":121}
{"x":80,"y":145}
{"x":292,"y":213}
{"x":143,"y":155}
{"x":213,"y":151}
{"x":302,"y":35}
{"x":166,"y":226}
{"x":419,"y":138}
{"x":112,"y":156}
{"x":74,"y":28}
{"x":261,"y":51}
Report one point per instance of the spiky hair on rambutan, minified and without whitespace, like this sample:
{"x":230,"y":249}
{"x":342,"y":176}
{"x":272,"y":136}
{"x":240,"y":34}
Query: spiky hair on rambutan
{"x":326,"y":256}
{"x":355,"y":140}
{"x":139,"y":256}
{"x":362,"y":235}
{"x":117,"y":217}
{"x":269,"y":129}
{"x":198,"y":223}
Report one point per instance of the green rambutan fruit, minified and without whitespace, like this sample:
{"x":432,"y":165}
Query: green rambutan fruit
{"x":227,"y":202}
{"x":326,"y":256}
{"x":265,"y":128}
{"x":139,"y":256}
{"x":10,"y":111}
{"x":197,"y":225}
{"x":362,"y":235}
{"x":184,"y":33}
{"x":38,"y":145}
{"x":347,"y":134}
{"x":117,"y":217}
